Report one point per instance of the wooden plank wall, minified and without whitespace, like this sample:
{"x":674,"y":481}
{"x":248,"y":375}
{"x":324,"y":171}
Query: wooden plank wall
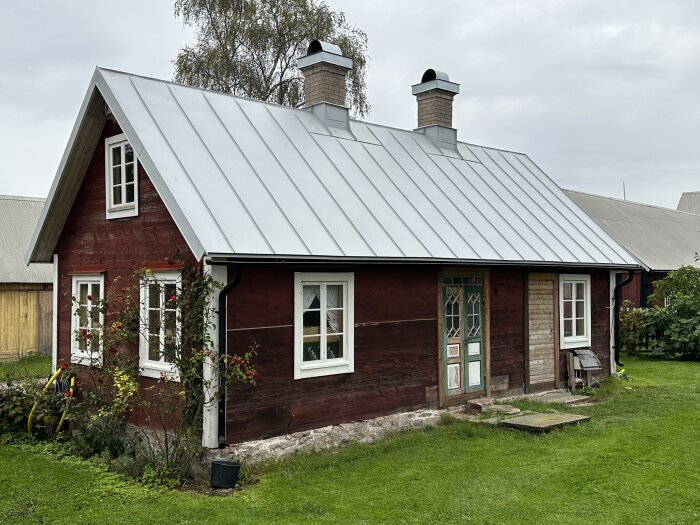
{"x":507,"y":297}
{"x":19,"y":323}
{"x":396,"y":360}
{"x":541,"y":321}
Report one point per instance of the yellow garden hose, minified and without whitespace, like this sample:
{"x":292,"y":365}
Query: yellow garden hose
{"x":69,"y":395}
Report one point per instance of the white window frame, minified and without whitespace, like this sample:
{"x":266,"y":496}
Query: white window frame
{"x":576,"y":341}
{"x":149,"y":367}
{"x":77,"y":355}
{"x":130,"y":209}
{"x":324,"y":367}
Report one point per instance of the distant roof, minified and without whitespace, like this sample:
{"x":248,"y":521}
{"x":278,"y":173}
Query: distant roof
{"x":690,"y":202}
{"x":661,"y":239}
{"x":18,"y":218}
{"x":248,"y":179}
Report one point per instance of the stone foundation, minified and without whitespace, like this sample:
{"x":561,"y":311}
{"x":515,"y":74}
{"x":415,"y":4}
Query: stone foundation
{"x":330,"y":437}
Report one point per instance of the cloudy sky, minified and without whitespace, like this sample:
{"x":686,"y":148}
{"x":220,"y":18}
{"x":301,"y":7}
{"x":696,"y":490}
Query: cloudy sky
{"x":596,"y":92}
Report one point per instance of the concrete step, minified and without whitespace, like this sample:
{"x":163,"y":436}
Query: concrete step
{"x":542,"y":422}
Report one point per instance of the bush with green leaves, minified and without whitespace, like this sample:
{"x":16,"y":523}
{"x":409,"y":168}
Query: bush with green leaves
{"x":672,"y":326}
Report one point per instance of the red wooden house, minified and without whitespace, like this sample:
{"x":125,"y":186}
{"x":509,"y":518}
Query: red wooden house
{"x":380,"y":269}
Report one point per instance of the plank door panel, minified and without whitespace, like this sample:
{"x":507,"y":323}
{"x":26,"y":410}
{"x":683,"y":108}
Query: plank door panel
{"x":542,"y":319}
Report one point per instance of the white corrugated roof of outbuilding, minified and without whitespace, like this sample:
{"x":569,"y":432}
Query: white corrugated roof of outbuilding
{"x":248,"y":179}
{"x":662,"y":239}
{"x":18,"y":219}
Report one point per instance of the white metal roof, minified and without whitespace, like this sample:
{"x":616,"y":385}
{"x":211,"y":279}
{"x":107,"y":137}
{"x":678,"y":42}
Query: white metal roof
{"x":661,"y":239}
{"x":251,"y":179}
{"x":689,"y":202}
{"x":18,"y":218}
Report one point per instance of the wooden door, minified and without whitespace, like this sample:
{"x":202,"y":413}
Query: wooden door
{"x":463,"y":326}
{"x":542,"y":298}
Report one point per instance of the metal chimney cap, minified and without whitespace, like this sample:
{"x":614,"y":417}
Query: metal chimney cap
{"x":316,"y":46}
{"x":434,"y":79}
{"x":319,"y":51}
{"x":434,"y":74}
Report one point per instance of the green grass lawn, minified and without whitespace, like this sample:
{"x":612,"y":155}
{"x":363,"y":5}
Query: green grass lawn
{"x":26,"y":368}
{"x":637,"y":461}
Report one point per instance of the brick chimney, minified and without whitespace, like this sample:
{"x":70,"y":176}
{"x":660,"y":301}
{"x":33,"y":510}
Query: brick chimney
{"x":324,"y":68}
{"x":434,"y":95}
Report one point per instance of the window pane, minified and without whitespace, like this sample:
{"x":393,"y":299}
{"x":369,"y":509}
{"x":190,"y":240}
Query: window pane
{"x":154,"y":295}
{"x":116,"y":176}
{"x":567,"y":310}
{"x":568,"y":328}
{"x":128,"y":153}
{"x":170,"y":335}
{"x":129,"y":176}
{"x":312,"y":323}
{"x":169,"y":291}
{"x":94,"y":320}
{"x":312,"y":349}
{"x":153,"y":348}
{"x":116,"y":156}
{"x":334,"y":296}
{"x":95,"y":341}
{"x":82,"y":344}
{"x":116,"y":195}
{"x":580,"y":330}
{"x":567,"y":290}
{"x":580,"y":290}
{"x":129,"y":193}
{"x":334,"y":346}
{"x":579,"y":308}
{"x":95,"y":292}
{"x":312,"y":297}
{"x":82,"y":310}
{"x":334,"y":318}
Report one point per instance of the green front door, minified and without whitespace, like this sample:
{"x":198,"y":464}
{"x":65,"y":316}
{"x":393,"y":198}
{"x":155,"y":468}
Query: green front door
{"x":463,"y":334}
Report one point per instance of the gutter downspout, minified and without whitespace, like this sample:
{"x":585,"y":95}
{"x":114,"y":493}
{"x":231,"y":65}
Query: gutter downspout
{"x":616,"y":312}
{"x":223,"y":350}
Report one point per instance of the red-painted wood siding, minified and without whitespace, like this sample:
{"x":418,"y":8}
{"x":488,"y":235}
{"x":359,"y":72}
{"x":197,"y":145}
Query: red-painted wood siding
{"x":395,"y":351}
{"x":632,"y":290}
{"x":507,"y":311}
{"x":600,"y":323}
{"x":122,"y":246}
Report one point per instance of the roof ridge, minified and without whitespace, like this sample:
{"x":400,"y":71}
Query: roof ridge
{"x":628,"y":201}
{"x":21,"y":198}
{"x":274,"y":104}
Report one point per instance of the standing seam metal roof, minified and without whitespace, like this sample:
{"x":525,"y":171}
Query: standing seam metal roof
{"x":248,"y":178}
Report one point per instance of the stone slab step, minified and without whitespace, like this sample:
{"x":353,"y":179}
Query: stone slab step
{"x":507,"y":410}
{"x":543,"y":422}
{"x":565,"y":398}
{"x":478,"y":405}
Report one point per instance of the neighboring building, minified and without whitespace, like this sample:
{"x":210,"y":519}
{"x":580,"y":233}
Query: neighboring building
{"x":441,"y":270}
{"x":25,"y":291}
{"x":661,"y":239}
{"x":689,"y":202}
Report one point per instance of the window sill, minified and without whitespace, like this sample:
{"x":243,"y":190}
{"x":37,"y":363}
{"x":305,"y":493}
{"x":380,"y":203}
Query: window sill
{"x":118,"y":212}
{"x":154,"y":370}
{"x":86,"y":359}
{"x":568,"y":344}
{"x":328,"y":368}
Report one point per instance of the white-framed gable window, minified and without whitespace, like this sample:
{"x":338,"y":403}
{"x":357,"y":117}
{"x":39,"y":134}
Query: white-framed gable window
{"x":160,"y":324}
{"x":324,"y":324}
{"x":87,"y":319}
{"x":575,"y":310}
{"x":121,"y":178}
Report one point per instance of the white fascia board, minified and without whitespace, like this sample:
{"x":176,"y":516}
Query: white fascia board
{"x":31,"y":250}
